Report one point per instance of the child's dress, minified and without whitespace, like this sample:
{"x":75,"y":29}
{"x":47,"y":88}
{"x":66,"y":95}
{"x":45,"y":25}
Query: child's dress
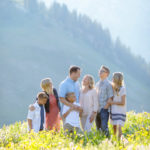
{"x":53,"y":117}
{"x":118,"y":112}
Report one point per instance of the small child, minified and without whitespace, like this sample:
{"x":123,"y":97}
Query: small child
{"x":71,"y":116}
{"x":118,"y":105}
{"x":36,"y":118}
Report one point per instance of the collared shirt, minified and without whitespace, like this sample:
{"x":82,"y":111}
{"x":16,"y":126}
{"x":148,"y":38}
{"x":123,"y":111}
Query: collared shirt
{"x":35,"y":116}
{"x":73,"y":116}
{"x":67,"y":86}
{"x":105,"y":91}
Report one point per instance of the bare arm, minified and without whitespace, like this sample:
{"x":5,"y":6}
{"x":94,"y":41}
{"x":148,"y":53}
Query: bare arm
{"x":110,"y":94}
{"x":65,"y":102}
{"x":123,"y":98}
{"x":80,"y":109}
{"x":108,"y":103}
{"x":30,"y":124}
{"x":67,"y":113}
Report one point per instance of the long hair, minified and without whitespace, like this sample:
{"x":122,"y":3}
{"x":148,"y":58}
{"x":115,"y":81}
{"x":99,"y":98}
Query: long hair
{"x":91,"y":81}
{"x":45,"y":85}
{"x":117,"y":82}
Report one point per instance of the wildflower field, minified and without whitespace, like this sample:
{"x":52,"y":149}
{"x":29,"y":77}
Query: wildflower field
{"x":136,"y":136}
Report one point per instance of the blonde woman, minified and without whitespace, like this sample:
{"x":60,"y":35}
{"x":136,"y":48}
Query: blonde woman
{"x":52,"y":106}
{"x":89,"y":102}
{"x":118,"y":105}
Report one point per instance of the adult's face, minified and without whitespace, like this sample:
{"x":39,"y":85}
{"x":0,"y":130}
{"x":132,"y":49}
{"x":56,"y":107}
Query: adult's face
{"x":76,"y":75}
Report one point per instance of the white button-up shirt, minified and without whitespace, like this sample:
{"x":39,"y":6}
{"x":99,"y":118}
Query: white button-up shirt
{"x":73,"y":116}
{"x":35,"y":116}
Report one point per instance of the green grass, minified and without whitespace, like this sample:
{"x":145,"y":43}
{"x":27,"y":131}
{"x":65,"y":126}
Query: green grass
{"x":136,"y":135}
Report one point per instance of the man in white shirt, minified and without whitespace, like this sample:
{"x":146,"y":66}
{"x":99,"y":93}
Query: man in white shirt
{"x":71,"y":115}
{"x":36,"y":118}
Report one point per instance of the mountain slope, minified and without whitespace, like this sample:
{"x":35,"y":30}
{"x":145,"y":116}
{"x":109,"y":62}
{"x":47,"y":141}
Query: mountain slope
{"x":44,"y":44}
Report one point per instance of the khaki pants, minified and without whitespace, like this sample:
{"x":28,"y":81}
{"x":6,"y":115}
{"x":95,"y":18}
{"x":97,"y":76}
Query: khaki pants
{"x":71,"y":129}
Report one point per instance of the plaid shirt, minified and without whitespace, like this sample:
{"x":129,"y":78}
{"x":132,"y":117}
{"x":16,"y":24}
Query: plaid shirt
{"x":105,"y":91}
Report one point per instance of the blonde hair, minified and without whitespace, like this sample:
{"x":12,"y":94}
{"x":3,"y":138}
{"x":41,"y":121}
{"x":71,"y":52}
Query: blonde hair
{"x":117,"y":82}
{"x":45,"y":85}
{"x":91,"y":81}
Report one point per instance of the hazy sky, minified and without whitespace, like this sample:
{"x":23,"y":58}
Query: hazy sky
{"x":128,"y":19}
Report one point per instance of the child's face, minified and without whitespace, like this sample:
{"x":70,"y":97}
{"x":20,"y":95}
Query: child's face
{"x":48,"y":87}
{"x":72,"y":98}
{"x":85,"y":81}
{"x":42,"y":101}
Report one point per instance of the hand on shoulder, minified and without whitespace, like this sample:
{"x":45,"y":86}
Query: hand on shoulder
{"x":31,"y":107}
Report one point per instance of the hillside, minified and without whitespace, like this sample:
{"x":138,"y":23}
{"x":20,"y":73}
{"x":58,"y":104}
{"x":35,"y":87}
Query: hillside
{"x":36,"y":42}
{"x":136,"y":136}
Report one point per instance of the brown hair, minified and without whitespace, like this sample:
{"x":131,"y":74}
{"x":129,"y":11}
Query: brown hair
{"x":73,"y":69}
{"x":69,"y":94}
{"x":106,"y":68}
{"x":42,"y":95}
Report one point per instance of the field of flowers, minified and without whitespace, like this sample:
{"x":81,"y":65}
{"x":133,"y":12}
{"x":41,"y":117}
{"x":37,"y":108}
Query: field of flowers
{"x":136,"y":136}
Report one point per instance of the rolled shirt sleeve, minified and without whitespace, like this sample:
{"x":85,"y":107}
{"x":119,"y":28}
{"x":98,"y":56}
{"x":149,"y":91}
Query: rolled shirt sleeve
{"x":110,"y":91}
{"x":62,"y":90}
{"x":30,"y":114}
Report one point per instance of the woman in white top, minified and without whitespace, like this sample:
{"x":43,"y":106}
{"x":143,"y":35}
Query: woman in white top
{"x":89,"y":102}
{"x":118,"y":105}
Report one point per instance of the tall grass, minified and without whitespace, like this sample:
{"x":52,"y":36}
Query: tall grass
{"x":136,"y":136}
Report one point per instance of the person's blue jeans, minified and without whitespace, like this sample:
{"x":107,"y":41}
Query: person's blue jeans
{"x":102,"y":121}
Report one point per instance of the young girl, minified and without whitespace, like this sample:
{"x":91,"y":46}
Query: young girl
{"x":89,"y":102}
{"x":118,"y":105}
{"x":52,"y":106}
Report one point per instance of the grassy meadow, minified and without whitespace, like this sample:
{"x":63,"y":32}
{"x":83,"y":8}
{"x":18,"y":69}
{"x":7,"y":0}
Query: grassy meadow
{"x":136,"y":136}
